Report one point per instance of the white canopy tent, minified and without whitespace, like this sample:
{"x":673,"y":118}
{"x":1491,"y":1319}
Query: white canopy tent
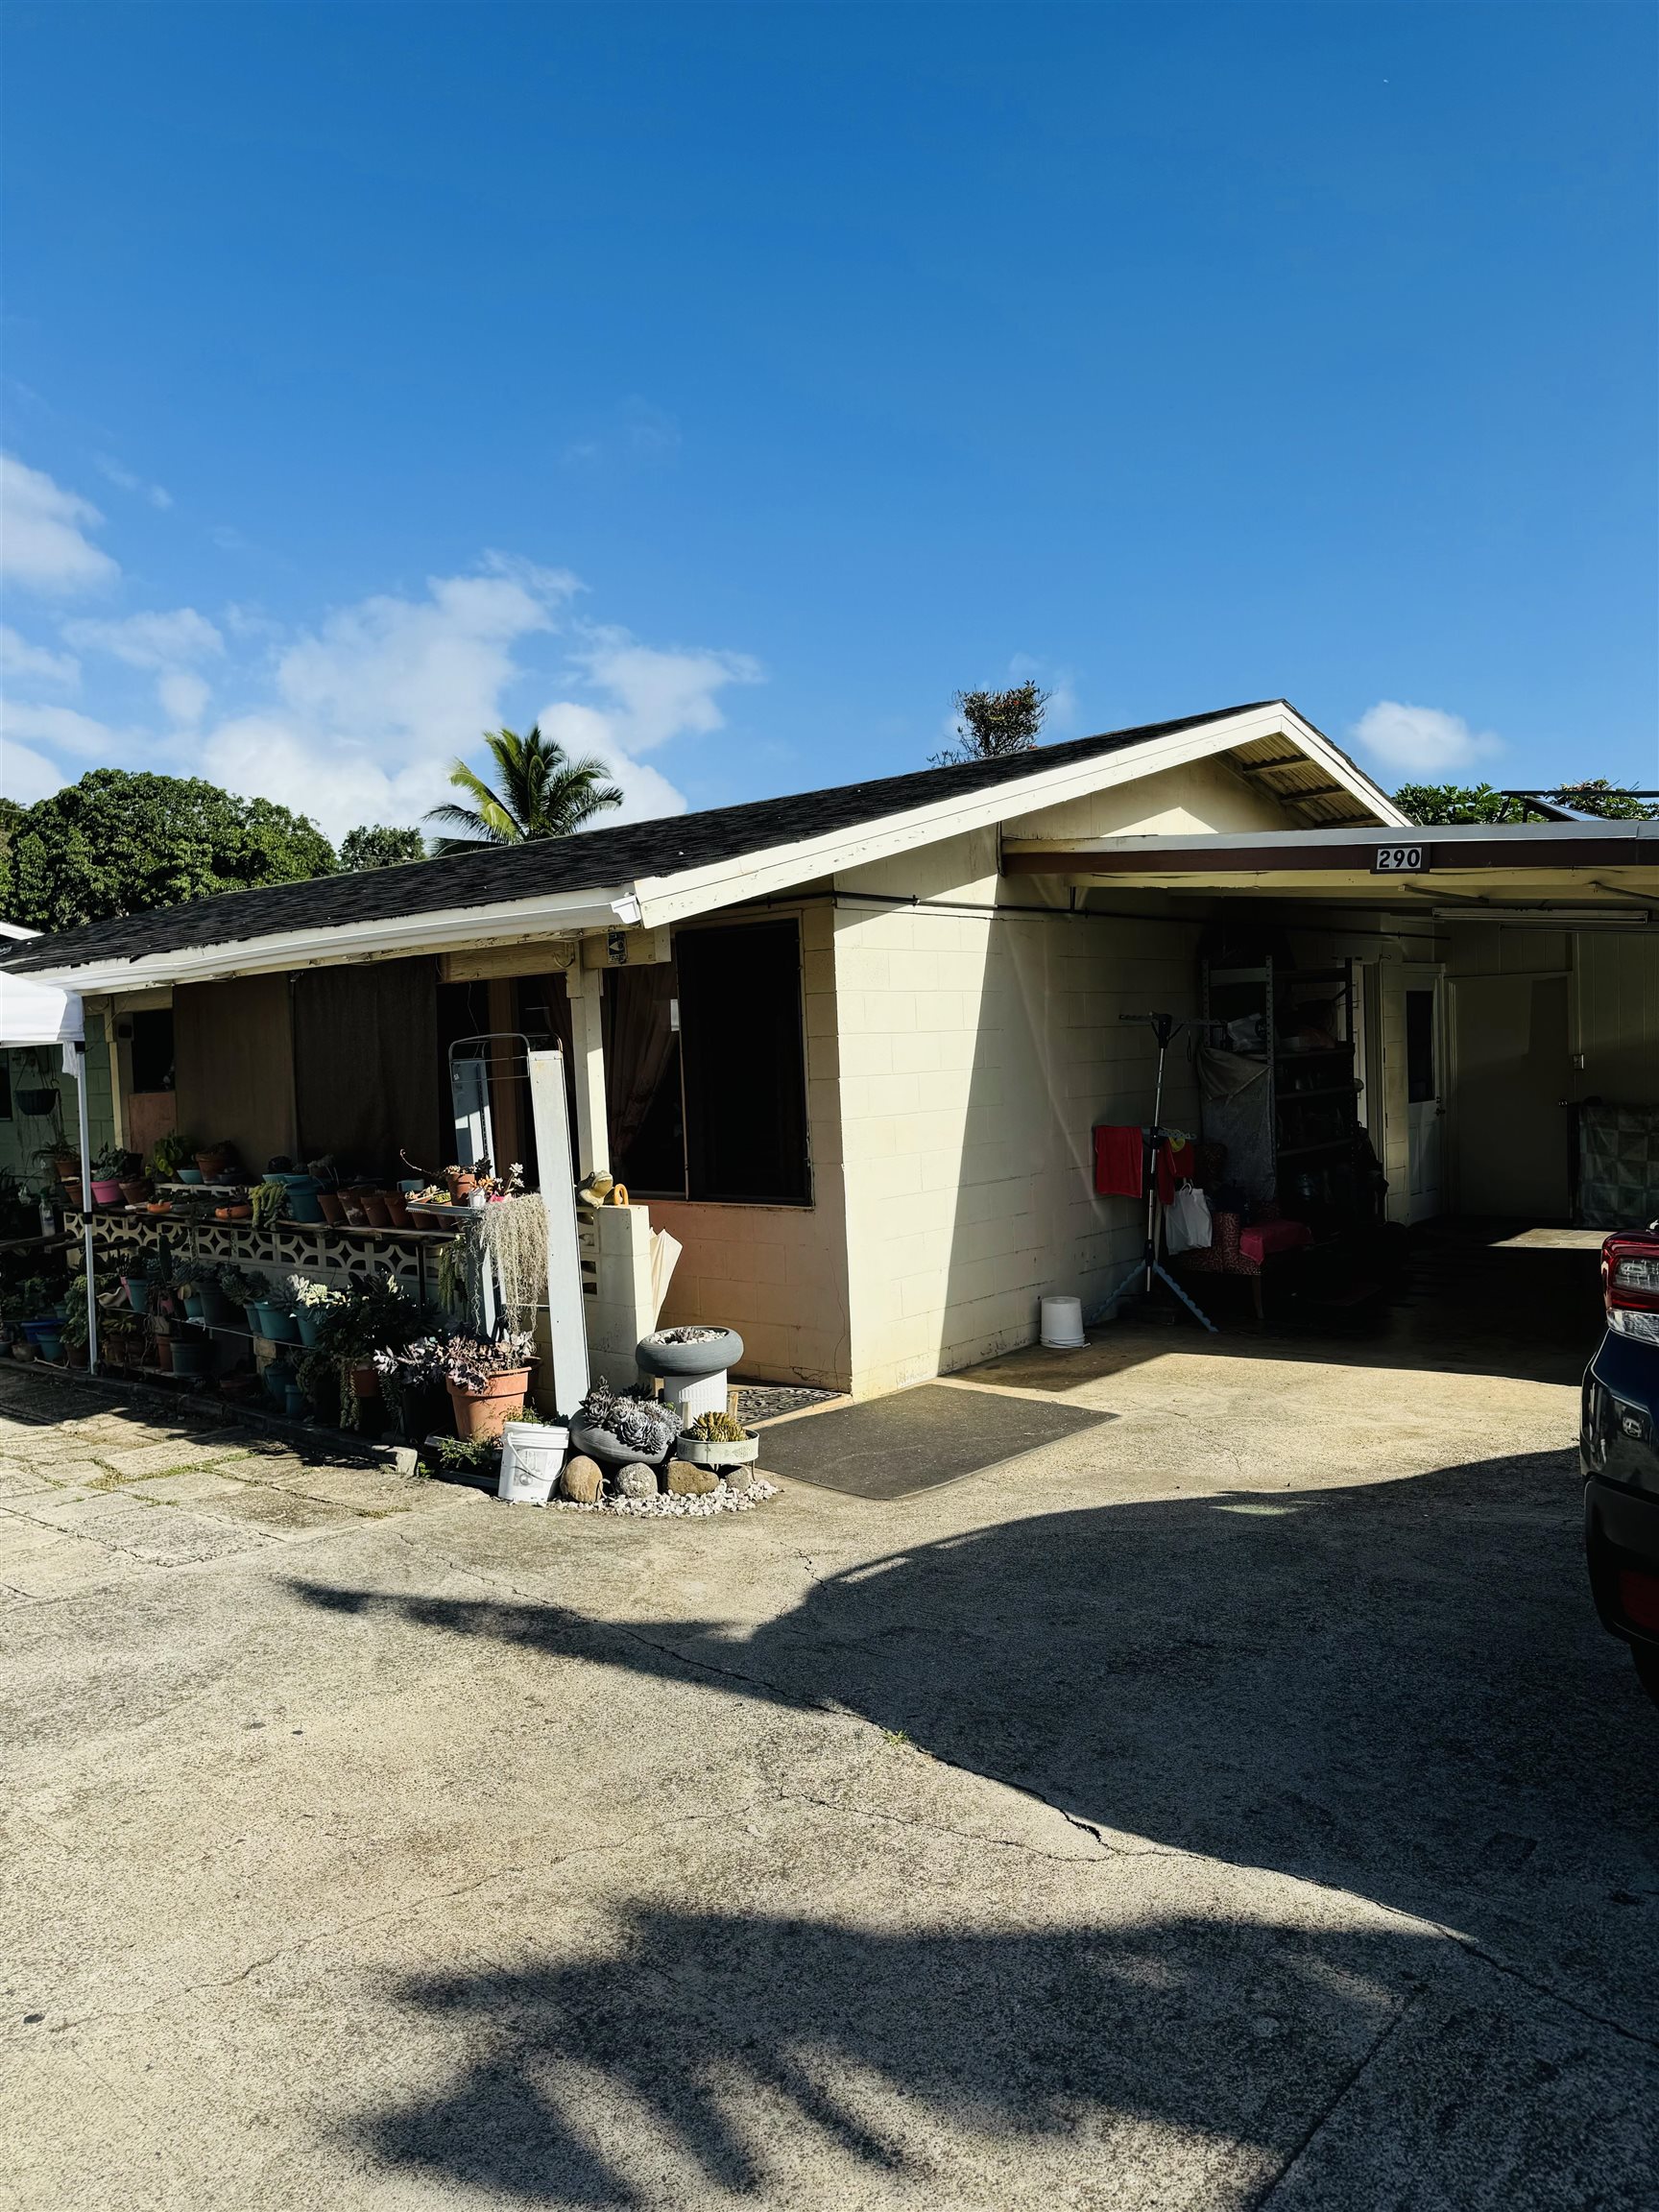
{"x":33,"y":1014}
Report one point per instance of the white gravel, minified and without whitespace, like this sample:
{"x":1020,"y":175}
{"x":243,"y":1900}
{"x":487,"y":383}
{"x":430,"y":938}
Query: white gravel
{"x":665,"y":1505}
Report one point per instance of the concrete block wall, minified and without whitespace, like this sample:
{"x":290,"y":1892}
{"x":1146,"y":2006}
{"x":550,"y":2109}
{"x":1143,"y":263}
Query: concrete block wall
{"x":978,"y":1051}
{"x":778,"y":1274}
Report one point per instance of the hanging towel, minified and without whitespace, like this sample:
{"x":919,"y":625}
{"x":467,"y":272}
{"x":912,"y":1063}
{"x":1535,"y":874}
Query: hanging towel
{"x":1117,"y":1157}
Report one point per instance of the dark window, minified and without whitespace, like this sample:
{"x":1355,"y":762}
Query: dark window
{"x":641,"y":1008}
{"x":5,"y":1087}
{"x":743,"y":1064}
{"x":153,"y":1050}
{"x":1419,"y":1047}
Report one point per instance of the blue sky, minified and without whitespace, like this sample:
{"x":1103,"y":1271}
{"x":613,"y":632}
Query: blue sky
{"x":729,"y":385}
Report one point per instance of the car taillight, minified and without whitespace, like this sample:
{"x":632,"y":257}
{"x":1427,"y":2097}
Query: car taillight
{"x":1631,"y":1286}
{"x":1639,"y":1599}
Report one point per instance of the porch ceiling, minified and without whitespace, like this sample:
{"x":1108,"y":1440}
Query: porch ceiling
{"x":1596,"y":867}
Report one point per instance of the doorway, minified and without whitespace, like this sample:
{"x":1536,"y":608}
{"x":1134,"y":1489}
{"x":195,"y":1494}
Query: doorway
{"x":1509,"y":1034}
{"x":1425,"y":1092}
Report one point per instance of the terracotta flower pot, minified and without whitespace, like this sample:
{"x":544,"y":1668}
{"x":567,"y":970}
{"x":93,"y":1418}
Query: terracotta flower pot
{"x":332,"y":1209}
{"x":366,"y":1380}
{"x":484,"y":1412}
{"x":354,"y":1214}
{"x":232,"y":1212}
{"x":374,"y":1210}
{"x":396,"y":1212}
{"x":213,"y":1165}
{"x":135,"y":1191}
{"x":68,"y":1169}
{"x":164,"y":1353}
{"x":462,"y":1183}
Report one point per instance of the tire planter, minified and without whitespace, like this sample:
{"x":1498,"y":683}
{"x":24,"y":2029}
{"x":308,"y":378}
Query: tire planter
{"x":483,"y":1413}
{"x":609,"y":1451}
{"x":710,"y":1355}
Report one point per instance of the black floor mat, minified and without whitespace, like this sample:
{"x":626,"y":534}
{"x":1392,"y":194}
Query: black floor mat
{"x":915,"y":1439}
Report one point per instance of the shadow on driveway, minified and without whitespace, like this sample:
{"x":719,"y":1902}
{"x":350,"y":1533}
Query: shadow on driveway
{"x":1397,"y":1690}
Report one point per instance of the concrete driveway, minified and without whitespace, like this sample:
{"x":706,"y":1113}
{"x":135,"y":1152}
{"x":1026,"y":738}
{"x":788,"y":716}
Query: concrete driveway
{"x":1234,"y":1804}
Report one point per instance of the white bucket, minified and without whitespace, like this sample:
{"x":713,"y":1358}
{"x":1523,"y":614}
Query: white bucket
{"x":1063,"y":1324}
{"x":532,"y":1453}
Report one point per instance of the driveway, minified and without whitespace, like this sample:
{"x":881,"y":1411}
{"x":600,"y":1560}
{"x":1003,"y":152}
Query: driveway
{"x":1231,"y":1805}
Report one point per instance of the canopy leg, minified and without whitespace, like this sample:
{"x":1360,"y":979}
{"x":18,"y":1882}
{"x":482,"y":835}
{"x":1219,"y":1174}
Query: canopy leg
{"x":86,"y":1204}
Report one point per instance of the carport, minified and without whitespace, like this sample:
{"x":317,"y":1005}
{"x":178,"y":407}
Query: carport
{"x":1503,"y":984}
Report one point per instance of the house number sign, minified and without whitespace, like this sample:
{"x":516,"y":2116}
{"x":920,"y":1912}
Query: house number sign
{"x":1399,"y":860}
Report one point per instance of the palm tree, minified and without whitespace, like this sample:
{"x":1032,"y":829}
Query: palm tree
{"x":540,"y":792}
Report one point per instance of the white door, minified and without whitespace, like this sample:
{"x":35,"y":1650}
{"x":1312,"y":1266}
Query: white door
{"x":1425,"y":1089}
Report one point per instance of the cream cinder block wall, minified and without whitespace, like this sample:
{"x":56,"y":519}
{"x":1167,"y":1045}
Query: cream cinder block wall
{"x":978,"y":1051}
{"x":778,"y":1274}
{"x":1204,"y":795}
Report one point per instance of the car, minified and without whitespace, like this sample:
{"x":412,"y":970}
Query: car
{"x":1618,"y":1451}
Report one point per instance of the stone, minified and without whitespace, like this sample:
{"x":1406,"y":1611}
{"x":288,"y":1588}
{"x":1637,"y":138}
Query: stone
{"x":637,"y":1481}
{"x":581,"y":1479}
{"x":688,"y":1480}
{"x":739,"y":1477}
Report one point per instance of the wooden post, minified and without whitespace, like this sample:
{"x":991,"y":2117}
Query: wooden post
{"x":593,"y":1127}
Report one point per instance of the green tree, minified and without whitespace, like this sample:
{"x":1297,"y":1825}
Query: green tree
{"x":374,"y":845}
{"x":539,"y":792}
{"x":1441,"y":805}
{"x":117,"y":843}
{"x":995,"y":723}
{"x":1444,"y":804}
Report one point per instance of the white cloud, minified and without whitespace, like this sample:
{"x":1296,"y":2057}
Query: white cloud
{"x":19,"y":659}
{"x":659,"y":694}
{"x":183,"y":696}
{"x":154,"y":640}
{"x":26,"y":775}
{"x":1421,"y":740}
{"x":118,"y":474}
{"x":42,"y":533}
{"x":61,"y":726}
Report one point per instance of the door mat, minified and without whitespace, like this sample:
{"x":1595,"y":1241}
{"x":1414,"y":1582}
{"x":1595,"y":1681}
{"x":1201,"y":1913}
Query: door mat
{"x":915,"y":1439}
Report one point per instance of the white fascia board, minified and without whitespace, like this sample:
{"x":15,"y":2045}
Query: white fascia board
{"x":728,"y":883}
{"x":453,"y":929}
{"x":1527,"y":834}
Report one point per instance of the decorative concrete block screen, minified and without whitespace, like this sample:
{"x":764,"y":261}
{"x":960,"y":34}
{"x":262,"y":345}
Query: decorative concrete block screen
{"x":1618,"y":1166}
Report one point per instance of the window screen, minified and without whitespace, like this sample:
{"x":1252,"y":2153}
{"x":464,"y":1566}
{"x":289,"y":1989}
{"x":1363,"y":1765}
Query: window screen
{"x":743,"y":1064}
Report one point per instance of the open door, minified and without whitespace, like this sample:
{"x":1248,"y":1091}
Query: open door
{"x":1512,"y":1072}
{"x":1424,"y":1090}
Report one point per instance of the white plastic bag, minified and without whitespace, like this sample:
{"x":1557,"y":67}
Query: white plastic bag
{"x":1187,"y":1226}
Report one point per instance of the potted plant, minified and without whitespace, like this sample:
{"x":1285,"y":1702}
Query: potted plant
{"x":366,"y":1318}
{"x":276,"y":1310}
{"x":413,"y":1384}
{"x":616,"y":1428}
{"x":171,"y":1159}
{"x":487,"y":1381}
{"x":374,"y":1209}
{"x":107,"y":1175}
{"x":245,"y":1288}
{"x":311,"y":1301}
{"x":326,"y":1176}
{"x":717,"y":1441}
{"x":215,"y":1161}
{"x":75,"y":1331}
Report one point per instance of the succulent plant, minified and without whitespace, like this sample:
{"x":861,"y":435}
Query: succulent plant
{"x":719,"y":1429}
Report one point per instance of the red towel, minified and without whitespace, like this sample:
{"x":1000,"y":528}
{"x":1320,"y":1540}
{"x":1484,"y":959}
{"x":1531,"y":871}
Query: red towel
{"x":1117,"y":1155}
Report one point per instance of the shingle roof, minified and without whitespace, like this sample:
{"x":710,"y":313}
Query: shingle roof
{"x":594,"y":859}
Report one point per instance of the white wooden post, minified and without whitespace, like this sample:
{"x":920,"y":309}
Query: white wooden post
{"x":567,"y":1322}
{"x":592,"y":1126}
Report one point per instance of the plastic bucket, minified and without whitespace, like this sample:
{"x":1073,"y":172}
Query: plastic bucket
{"x":532,"y":1453}
{"x":1062,"y":1327}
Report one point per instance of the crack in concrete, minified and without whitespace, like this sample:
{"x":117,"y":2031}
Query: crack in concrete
{"x":410,"y":1908}
{"x":1333,"y":2103}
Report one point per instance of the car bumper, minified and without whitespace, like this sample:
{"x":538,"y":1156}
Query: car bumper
{"x":1621,"y":1544}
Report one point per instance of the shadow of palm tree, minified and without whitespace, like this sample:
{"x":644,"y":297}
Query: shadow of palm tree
{"x":1397,"y":1690}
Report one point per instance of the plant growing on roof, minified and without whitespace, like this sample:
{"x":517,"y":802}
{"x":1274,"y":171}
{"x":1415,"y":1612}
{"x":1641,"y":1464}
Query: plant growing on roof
{"x":994,"y":724}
